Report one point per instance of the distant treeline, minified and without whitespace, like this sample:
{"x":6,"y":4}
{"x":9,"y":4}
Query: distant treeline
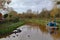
{"x":42,"y":14}
{"x":29,"y":14}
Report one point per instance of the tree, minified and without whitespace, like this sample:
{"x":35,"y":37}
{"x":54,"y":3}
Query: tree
{"x":12,"y":14}
{"x":58,"y":14}
{"x":44,"y":14}
{"x":2,"y":3}
{"x":0,"y":16}
{"x":5,"y":15}
{"x":29,"y":11}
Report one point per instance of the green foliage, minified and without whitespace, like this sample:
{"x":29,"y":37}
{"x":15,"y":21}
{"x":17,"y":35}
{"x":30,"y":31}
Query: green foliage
{"x":5,"y":15}
{"x":38,"y":21}
{"x":58,"y":21}
{"x":8,"y":29}
{"x":58,"y":2}
{"x":15,"y":19}
{"x":44,"y":14}
{"x":10,"y":16}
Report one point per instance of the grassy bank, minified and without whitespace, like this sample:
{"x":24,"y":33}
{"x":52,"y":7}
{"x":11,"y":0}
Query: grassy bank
{"x":42,"y":25}
{"x":7,"y":28}
{"x":41,"y":22}
{"x":37,"y":21}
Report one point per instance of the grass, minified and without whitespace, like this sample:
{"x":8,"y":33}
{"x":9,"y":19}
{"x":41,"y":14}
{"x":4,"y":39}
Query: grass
{"x":38,"y":21}
{"x":42,"y":25}
{"x":58,"y":21}
{"x":7,"y":28}
{"x":42,"y":22}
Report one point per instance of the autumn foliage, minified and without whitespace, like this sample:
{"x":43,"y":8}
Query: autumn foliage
{"x":0,"y":16}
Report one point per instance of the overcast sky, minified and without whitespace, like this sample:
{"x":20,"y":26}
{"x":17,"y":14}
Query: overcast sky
{"x":23,"y":5}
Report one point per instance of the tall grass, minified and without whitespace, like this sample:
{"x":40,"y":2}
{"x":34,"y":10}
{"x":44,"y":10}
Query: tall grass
{"x":10,"y":28}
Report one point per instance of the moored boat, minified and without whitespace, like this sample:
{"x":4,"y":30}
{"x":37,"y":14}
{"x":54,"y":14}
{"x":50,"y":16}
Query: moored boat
{"x":52,"y":27}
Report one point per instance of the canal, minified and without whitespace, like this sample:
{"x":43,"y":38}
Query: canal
{"x":29,"y":33}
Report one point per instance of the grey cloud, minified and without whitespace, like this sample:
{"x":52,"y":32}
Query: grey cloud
{"x":23,"y":5}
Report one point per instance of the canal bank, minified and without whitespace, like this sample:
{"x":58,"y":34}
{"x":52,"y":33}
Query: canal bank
{"x":40,"y":25}
{"x":29,"y":33}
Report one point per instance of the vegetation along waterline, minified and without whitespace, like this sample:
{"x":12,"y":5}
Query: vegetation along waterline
{"x":42,"y":25}
{"x":8,"y":28}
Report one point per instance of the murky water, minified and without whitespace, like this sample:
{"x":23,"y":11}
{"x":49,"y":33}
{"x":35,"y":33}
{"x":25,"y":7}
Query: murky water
{"x":29,"y":33}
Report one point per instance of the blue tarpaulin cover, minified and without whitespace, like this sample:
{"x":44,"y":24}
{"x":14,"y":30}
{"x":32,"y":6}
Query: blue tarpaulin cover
{"x":52,"y":24}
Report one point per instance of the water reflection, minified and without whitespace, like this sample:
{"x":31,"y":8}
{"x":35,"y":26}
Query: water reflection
{"x":30,"y":33}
